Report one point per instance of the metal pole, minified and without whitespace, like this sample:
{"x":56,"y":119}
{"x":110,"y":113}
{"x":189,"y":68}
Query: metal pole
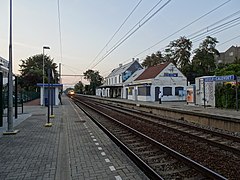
{"x":16,"y":98}
{"x":48,"y":121}
{"x":52,"y":98}
{"x":44,"y":47}
{"x":43,"y":80}
{"x":236,"y":93}
{"x":204,"y":94}
{"x":60,"y":72}
{"x":10,"y":80}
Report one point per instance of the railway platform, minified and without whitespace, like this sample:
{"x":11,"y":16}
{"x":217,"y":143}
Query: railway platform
{"x":73,"y":148}
{"x":222,"y":119}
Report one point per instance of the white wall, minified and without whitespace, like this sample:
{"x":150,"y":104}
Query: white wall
{"x":209,"y":92}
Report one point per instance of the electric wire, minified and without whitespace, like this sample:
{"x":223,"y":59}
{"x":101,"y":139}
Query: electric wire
{"x":184,"y":27}
{"x":229,"y":40}
{"x":129,"y":35}
{"x":137,"y":24}
{"x":228,"y":17}
{"x":115,"y":32}
{"x":216,"y":28}
{"x":216,"y":32}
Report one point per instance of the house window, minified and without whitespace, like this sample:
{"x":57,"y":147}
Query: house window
{"x":115,"y":80}
{"x":231,"y":54}
{"x":167,"y":91}
{"x":144,"y":91}
{"x":177,"y":89}
{"x":130,"y":90}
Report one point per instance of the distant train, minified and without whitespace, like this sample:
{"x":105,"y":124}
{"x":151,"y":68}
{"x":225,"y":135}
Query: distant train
{"x":71,"y":93}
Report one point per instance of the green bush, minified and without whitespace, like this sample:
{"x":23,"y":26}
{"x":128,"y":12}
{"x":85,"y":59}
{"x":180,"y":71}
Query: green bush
{"x":225,"y":96}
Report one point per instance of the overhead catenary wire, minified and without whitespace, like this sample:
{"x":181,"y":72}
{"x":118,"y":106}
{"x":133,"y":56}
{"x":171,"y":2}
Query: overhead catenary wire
{"x":229,"y":40}
{"x":208,"y":29}
{"x":129,"y":35}
{"x":184,"y":27}
{"x":120,"y":27}
{"x":137,"y":24}
{"x":217,"y":31}
{"x":221,"y":20}
{"x":179,"y":30}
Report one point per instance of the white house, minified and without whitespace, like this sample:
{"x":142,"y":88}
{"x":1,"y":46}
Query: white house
{"x":113,"y":86}
{"x":4,"y":67}
{"x":165,"y":77}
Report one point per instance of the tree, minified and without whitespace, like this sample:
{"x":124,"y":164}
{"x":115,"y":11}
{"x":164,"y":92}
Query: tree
{"x":95,"y":80}
{"x":179,"y":52}
{"x":231,"y":69}
{"x":79,"y":87}
{"x":204,"y":59}
{"x":31,"y":71}
{"x":153,"y":60}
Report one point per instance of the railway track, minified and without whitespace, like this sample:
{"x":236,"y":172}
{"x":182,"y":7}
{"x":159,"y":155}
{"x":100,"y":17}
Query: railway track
{"x":157,"y":160}
{"x":224,"y":141}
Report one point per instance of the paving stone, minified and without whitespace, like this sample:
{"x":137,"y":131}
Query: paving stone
{"x":39,"y":152}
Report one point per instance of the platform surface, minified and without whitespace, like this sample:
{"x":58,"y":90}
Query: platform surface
{"x":73,"y":148}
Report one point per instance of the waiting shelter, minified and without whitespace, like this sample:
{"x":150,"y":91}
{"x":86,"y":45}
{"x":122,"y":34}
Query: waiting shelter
{"x":53,"y":90}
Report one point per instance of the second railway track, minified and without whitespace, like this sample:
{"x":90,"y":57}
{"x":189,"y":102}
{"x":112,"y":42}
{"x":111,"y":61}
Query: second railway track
{"x":169,"y":169}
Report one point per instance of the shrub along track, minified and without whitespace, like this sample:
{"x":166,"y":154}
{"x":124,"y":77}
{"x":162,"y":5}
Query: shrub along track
{"x":153,"y":153}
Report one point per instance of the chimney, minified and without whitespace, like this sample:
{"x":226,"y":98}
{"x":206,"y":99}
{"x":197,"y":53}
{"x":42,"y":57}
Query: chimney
{"x":132,"y":59}
{"x":120,"y":65}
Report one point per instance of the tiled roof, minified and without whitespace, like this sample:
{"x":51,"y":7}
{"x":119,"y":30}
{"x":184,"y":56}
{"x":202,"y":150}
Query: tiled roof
{"x":120,"y":69}
{"x":152,"y":72}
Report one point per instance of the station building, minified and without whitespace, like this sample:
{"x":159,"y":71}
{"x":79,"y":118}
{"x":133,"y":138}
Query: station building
{"x":133,"y":82}
{"x":4,"y":69}
{"x":113,"y":86}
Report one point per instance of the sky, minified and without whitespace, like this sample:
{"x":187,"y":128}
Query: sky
{"x":88,"y":25}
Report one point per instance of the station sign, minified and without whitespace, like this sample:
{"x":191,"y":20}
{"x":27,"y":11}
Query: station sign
{"x":171,"y":74}
{"x":220,"y":78}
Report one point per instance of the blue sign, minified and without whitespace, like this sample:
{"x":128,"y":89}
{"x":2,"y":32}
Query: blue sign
{"x":171,"y":74}
{"x":220,"y":78}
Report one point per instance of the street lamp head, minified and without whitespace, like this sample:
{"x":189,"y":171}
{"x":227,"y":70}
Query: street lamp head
{"x":46,"y":47}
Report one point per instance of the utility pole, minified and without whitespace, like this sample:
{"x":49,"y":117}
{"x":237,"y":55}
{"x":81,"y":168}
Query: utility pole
{"x":10,"y":129}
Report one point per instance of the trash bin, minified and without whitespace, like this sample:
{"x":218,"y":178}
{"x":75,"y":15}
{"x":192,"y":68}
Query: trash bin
{"x":46,"y":101}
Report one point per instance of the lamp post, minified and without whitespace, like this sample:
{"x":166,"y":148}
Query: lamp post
{"x":10,"y":129}
{"x":44,"y":47}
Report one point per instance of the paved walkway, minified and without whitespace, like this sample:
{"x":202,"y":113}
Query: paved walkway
{"x":73,"y":148}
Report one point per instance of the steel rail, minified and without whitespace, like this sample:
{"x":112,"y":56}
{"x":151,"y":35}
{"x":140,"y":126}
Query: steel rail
{"x":211,"y":142}
{"x":205,"y":171}
{"x":140,"y":163}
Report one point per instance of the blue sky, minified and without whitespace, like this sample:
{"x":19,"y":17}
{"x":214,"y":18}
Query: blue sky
{"x":87,"y":25}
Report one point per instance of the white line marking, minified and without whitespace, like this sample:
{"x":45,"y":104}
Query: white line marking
{"x":103,"y":153}
{"x":94,"y":140}
{"x":92,"y":136}
{"x":118,"y":178}
{"x":99,"y":148}
{"x":112,"y":168}
{"x":107,"y":160}
{"x":97,"y":144}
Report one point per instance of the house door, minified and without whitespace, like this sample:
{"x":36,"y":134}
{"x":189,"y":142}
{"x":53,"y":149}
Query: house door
{"x":156,"y":93}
